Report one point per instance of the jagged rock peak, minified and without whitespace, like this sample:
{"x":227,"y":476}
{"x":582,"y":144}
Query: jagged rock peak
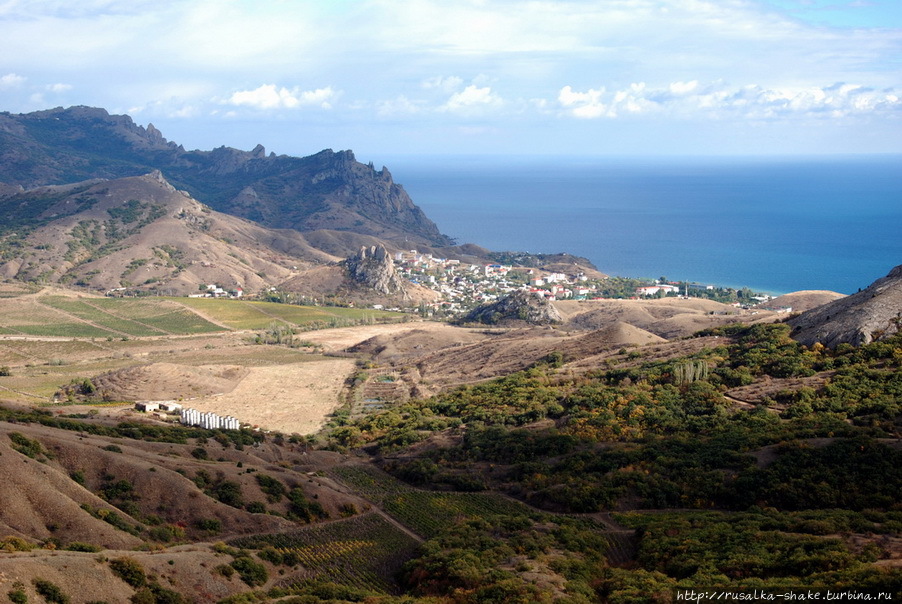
{"x":871,"y":314}
{"x":158,"y":177}
{"x":154,"y":134}
{"x":373,"y":267}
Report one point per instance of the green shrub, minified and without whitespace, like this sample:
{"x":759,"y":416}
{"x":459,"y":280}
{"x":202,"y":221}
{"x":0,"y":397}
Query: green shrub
{"x":50,"y":591}
{"x":229,"y":493}
{"x":25,"y":445}
{"x":256,"y":507}
{"x":211,"y":525}
{"x":17,"y":594}
{"x":225,"y":570}
{"x":15,"y":544}
{"x":251,"y":572}
{"x":77,"y":546}
{"x":272,"y":487}
{"x":129,"y":570}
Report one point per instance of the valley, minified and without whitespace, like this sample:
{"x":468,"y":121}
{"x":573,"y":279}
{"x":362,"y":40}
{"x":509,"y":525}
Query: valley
{"x":380,"y":448}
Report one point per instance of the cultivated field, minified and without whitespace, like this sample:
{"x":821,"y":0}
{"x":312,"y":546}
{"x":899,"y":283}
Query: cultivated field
{"x":213,"y":354}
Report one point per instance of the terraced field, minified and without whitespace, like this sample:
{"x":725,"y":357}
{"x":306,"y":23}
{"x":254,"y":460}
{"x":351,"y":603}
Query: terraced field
{"x":244,"y":314}
{"x":425,"y":512}
{"x":363,"y":552}
{"x":69,"y":316}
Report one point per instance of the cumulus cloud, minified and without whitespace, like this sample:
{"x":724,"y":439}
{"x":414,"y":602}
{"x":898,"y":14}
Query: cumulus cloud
{"x":583,"y":104}
{"x":11,"y":80}
{"x":472,"y":98}
{"x":59,"y":87}
{"x":268,"y":96}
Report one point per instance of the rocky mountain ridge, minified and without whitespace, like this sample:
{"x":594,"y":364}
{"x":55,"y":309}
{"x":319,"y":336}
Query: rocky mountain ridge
{"x":328,"y":190}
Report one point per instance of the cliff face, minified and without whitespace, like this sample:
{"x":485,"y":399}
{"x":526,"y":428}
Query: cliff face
{"x":871,"y":314}
{"x":373,"y":267}
{"x":328,"y":190}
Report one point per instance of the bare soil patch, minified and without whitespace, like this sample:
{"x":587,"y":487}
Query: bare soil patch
{"x":289,"y":398}
{"x":342,"y":338}
{"x":168,"y":381}
{"x":803,"y":300}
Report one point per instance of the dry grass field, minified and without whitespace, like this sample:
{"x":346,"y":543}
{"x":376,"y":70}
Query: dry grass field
{"x":205,"y":352}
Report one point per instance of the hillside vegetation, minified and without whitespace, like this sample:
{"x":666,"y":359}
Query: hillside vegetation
{"x":618,"y":483}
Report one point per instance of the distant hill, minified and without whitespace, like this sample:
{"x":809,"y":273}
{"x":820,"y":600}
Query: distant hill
{"x":871,"y":314}
{"x":328,"y":190}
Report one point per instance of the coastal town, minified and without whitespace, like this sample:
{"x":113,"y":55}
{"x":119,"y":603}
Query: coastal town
{"x":463,"y":286}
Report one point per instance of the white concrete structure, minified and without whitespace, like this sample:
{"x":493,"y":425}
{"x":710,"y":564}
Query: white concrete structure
{"x":209,"y":420}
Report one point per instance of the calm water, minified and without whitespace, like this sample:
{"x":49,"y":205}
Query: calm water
{"x":775,"y":224}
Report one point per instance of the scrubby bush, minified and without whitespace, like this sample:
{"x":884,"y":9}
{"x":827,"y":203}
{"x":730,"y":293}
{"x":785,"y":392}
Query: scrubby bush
{"x":251,"y":572}
{"x":77,"y":546}
{"x":15,"y":544}
{"x":50,"y":591}
{"x":129,"y":570}
{"x":210,"y":525}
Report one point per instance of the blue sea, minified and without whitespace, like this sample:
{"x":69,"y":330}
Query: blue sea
{"x":776,"y":224}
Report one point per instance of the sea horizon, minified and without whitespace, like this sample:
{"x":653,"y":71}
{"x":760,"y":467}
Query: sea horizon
{"x":774,"y":224}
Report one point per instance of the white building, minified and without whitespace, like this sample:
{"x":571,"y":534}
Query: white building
{"x":209,"y":420}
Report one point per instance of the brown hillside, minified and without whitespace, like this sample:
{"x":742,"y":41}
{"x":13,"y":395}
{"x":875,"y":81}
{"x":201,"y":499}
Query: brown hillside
{"x":39,"y":501}
{"x":868,"y":315}
{"x":666,"y":317}
{"x":802,"y":300}
{"x":142,"y":233}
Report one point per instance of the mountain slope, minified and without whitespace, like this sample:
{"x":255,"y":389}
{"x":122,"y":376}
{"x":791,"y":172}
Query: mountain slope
{"x":871,"y":314}
{"x":327,"y":190}
{"x":140,"y":232}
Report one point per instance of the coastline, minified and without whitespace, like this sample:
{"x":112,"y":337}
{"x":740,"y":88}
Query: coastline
{"x":774,"y":225}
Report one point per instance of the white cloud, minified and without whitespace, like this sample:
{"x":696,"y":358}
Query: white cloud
{"x":11,"y":80}
{"x":689,"y":101}
{"x":470,"y":99}
{"x":445,"y":84}
{"x":268,"y":96}
{"x":399,"y":106}
{"x":583,"y":104}
{"x":683,"y":87}
{"x":426,"y":60}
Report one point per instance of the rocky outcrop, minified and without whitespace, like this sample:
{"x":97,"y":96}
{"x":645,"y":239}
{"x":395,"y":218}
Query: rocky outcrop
{"x":871,"y":314}
{"x":374,"y":268}
{"x":518,"y":307}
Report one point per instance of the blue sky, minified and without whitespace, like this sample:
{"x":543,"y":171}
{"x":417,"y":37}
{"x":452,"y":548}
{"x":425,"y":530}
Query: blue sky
{"x":389,"y":77}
